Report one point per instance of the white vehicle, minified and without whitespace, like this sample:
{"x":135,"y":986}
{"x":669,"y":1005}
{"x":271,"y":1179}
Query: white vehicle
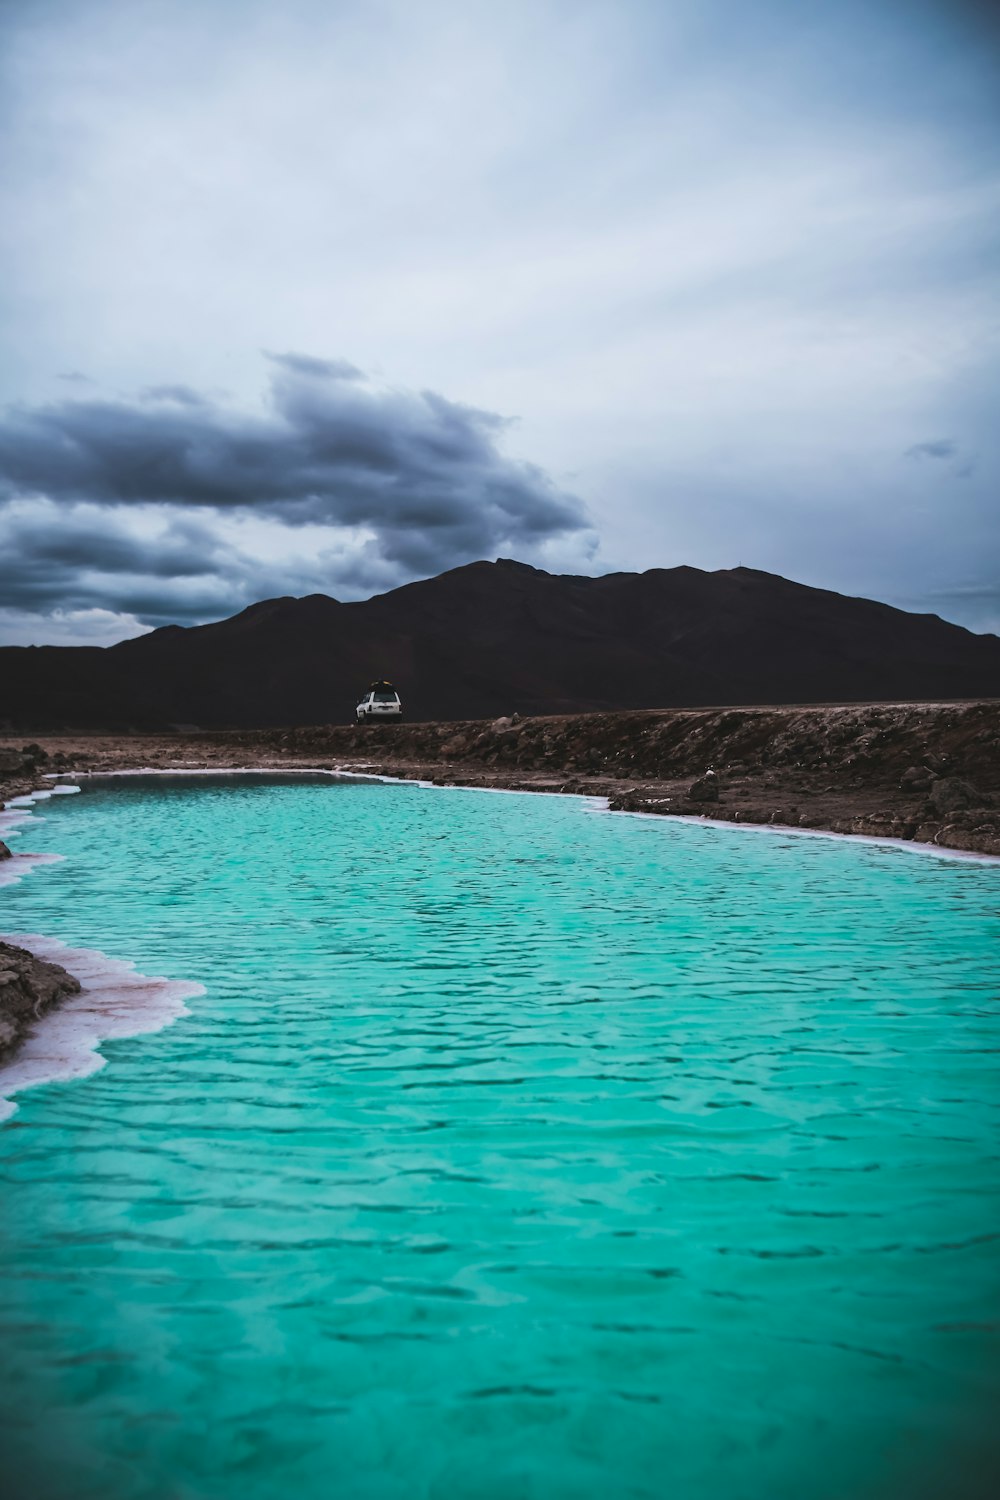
{"x":380,"y":702}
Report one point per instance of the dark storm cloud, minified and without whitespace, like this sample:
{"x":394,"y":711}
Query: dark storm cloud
{"x":73,"y":563}
{"x":142,"y":507}
{"x":422,"y":473}
{"x":77,"y":543}
{"x":86,"y":559}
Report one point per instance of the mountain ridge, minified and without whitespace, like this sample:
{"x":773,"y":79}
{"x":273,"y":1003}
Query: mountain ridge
{"x":490,"y":637}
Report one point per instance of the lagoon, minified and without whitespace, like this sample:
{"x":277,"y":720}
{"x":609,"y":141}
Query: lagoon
{"x":514,"y":1149}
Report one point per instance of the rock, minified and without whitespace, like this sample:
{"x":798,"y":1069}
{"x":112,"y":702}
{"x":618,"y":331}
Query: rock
{"x":29,"y":987}
{"x":4,"y":851}
{"x":705,"y":789}
{"x":982,"y":840}
{"x":917,"y":779}
{"x":13,"y":760}
{"x":637,"y":805}
{"x":950,"y":794}
{"x":457,"y":745}
{"x":501,"y":725}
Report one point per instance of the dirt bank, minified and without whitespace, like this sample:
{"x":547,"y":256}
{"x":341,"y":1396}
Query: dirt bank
{"x":926,"y":772}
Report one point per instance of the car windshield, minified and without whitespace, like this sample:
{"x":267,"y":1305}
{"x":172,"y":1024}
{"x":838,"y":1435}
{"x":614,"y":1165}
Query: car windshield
{"x":385,"y":697}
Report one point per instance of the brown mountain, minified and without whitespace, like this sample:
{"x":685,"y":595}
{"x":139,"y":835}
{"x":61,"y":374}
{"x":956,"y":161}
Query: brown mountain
{"x":493,"y":637}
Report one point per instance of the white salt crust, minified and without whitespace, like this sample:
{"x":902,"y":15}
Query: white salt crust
{"x":18,"y":811}
{"x":114,"y":1001}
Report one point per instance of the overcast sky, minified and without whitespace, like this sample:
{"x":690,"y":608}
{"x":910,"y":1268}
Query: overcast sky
{"x":328,"y":295}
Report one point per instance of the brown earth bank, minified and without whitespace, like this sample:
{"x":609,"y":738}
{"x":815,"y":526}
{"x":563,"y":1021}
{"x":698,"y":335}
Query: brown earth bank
{"x":28,"y":988}
{"x":928,"y":772}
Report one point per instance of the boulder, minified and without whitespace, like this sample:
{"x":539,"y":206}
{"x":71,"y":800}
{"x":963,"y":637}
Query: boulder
{"x":705,"y":789}
{"x":29,"y":987}
{"x":4,"y":851}
{"x":982,"y":840}
{"x":951,"y":794}
{"x":917,"y":779}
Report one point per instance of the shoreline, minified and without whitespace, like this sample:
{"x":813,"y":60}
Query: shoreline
{"x":601,"y":803}
{"x":113,"y":998}
{"x":14,"y":865}
{"x":920,"y":773}
{"x":116,"y":1001}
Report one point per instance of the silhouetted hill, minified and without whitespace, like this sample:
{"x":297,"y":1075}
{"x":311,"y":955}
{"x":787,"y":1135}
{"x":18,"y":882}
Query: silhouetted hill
{"x":493,"y":637}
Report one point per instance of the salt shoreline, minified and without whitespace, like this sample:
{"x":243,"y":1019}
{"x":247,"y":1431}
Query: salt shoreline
{"x":11,"y":817}
{"x":117,"y":1001}
{"x":601,"y":803}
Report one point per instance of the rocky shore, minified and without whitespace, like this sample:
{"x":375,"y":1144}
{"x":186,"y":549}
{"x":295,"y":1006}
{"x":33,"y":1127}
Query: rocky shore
{"x":29,"y":987}
{"x":924,"y":772}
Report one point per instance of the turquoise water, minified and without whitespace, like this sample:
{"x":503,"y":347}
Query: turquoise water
{"x":514,"y":1150}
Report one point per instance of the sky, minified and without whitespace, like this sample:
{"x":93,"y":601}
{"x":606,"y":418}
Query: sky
{"x":330,"y":295}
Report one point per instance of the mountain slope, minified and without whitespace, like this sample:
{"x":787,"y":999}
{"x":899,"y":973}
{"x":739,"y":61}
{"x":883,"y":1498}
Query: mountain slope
{"x":492,"y":637}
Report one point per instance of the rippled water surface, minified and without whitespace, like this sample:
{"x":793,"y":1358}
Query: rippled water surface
{"x":514,"y":1150}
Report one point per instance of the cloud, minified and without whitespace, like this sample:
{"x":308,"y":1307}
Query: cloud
{"x":422,"y":474}
{"x":180,"y":395}
{"x":176,"y":507}
{"x":728,"y":261}
{"x":78,"y":627}
{"x":152,"y":566}
{"x":943,"y":449}
{"x":307,"y":364}
{"x":57,"y":563}
{"x":937,"y":448}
